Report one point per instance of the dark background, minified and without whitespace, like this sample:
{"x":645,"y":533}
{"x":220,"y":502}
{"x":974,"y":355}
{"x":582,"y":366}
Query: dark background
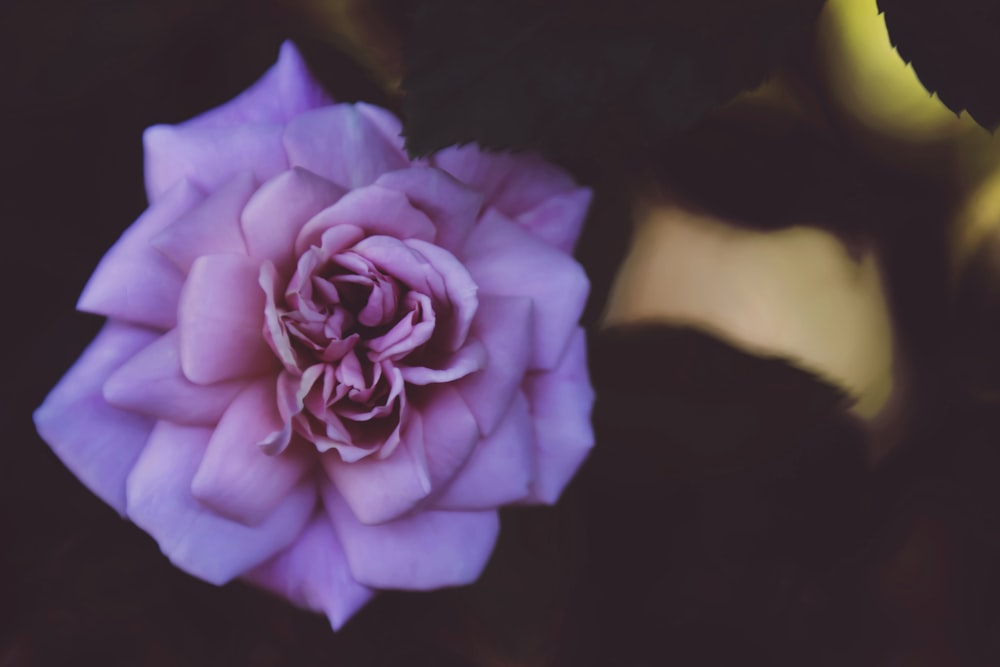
{"x":794,"y":555}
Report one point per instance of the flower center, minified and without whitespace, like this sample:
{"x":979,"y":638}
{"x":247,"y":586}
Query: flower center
{"x":342,"y":329}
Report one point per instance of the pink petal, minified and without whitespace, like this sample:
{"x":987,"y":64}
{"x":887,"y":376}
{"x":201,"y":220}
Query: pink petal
{"x":469,"y":359}
{"x":133,"y":282}
{"x":561,"y":402}
{"x":461,"y":288}
{"x":421,"y":551}
{"x":450,"y":432}
{"x":504,"y":325}
{"x":381,"y":489}
{"x":210,"y":156}
{"x":342,"y":144}
{"x":506,"y":260}
{"x":221,"y":321}
{"x":97,"y":442}
{"x":452,"y":206}
{"x":151,"y":382}
{"x":285,"y":91}
{"x":386,"y":123}
{"x":438,"y":438}
{"x":276,"y":213}
{"x":211,"y":227}
{"x":427,"y":269}
{"x":374,"y":209}
{"x":313,"y":573}
{"x":501,"y":468}
{"x":513,"y":183}
{"x":195,"y":539}
{"x":236,"y":478}
{"x":559,"y":219}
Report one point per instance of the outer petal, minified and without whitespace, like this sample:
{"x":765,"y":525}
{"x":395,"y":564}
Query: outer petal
{"x":236,"y":478}
{"x":196,"y":540}
{"x":420,"y":551}
{"x":210,"y":156}
{"x":504,"y":325}
{"x":221,"y":321}
{"x":313,"y":573}
{"x":99,"y":443}
{"x":501,"y":468}
{"x":276,"y":213}
{"x":285,"y":91}
{"x":342,"y":144}
{"x":559,"y":219}
{"x":506,"y":260}
{"x":386,"y":122}
{"x":134,"y":282}
{"x":151,"y":382}
{"x":514,"y":183}
{"x":561,"y":402}
{"x":452,"y":206}
{"x":211,"y":227}
{"x":374,"y":209}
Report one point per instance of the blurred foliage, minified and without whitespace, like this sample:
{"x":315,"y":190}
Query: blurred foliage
{"x":572,"y":78}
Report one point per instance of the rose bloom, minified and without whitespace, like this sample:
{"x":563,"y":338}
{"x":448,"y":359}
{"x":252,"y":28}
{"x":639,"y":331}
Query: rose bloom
{"x":325,"y":365}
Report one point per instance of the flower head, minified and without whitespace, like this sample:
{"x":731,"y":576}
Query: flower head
{"x":325,"y":365}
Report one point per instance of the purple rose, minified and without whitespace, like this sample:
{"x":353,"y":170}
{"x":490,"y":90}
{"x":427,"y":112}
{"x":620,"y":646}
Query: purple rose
{"x":326,"y":365}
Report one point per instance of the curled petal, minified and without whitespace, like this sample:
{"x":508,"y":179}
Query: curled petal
{"x":221,"y":320}
{"x":196,"y":539}
{"x":561,"y":403}
{"x":420,"y":551}
{"x":236,"y":478}
{"x":374,"y":209}
{"x":468,"y":360}
{"x":459,"y":285}
{"x":427,"y":269}
{"x":134,"y":283}
{"x":341,"y":144}
{"x":152,"y":383}
{"x":313,"y":573}
{"x":506,"y":260}
{"x":451,"y":205}
{"x":274,"y":332}
{"x":96,"y":441}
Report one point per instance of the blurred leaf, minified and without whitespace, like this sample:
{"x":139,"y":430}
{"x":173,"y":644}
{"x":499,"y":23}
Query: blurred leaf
{"x":765,"y":170}
{"x":574,"y":77}
{"x":699,"y":408}
{"x":953,"y":46}
{"x":723,"y":489}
